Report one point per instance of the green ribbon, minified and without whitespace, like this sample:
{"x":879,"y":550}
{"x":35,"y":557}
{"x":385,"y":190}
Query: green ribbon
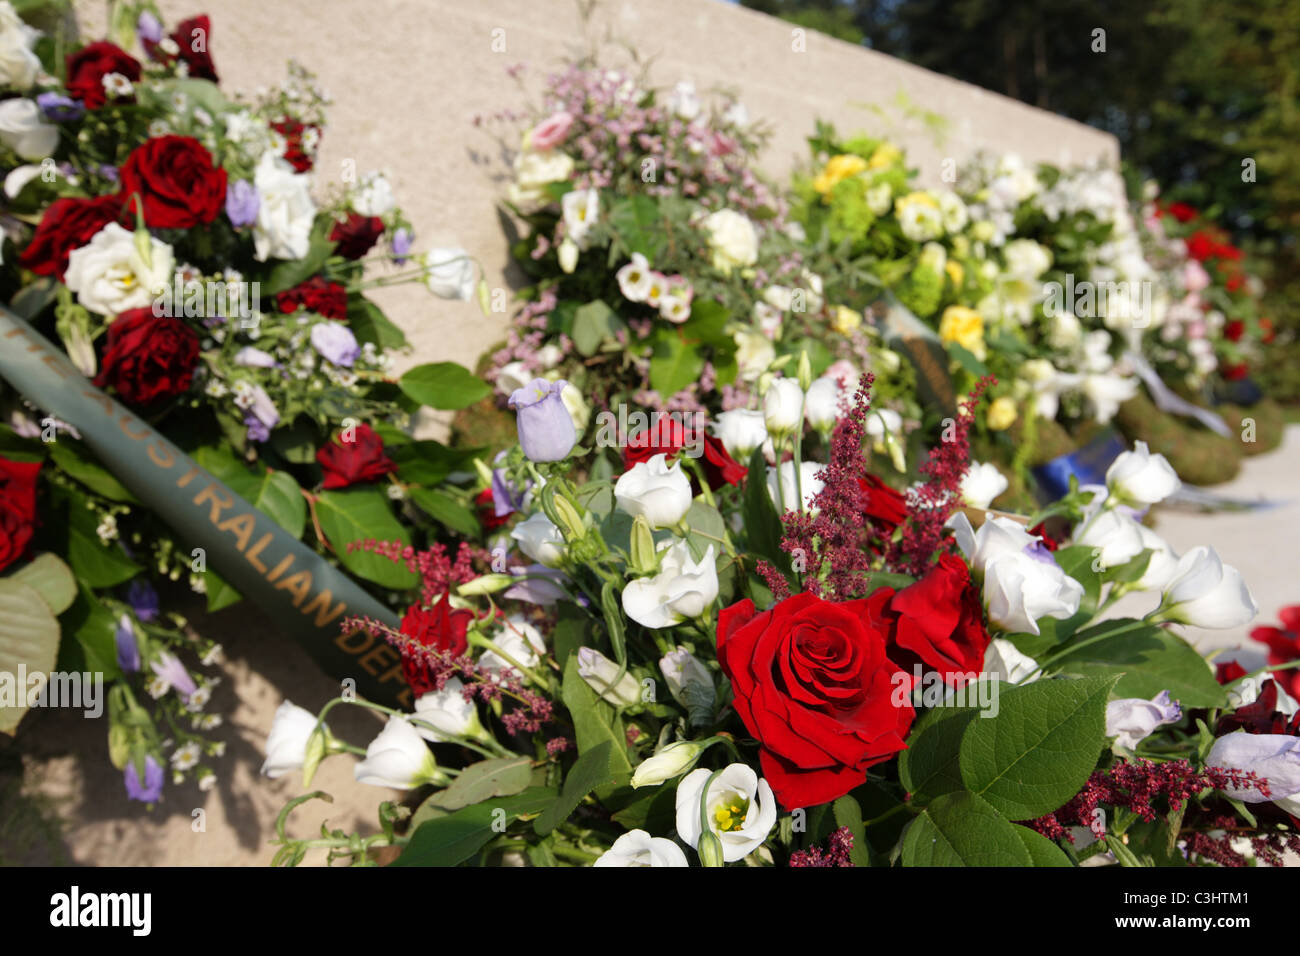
{"x":302,"y":592}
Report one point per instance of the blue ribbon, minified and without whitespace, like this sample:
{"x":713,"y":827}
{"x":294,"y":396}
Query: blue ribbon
{"x":1088,"y":465}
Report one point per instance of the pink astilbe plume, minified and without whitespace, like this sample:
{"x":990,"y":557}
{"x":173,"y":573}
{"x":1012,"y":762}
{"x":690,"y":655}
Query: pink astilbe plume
{"x":931,"y":504}
{"x":837,"y":851}
{"x":831,"y":541}
{"x":438,"y":572}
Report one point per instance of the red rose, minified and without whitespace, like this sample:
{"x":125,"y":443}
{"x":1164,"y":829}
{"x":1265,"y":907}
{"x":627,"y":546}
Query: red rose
{"x":356,"y":235}
{"x":177,"y":181}
{"x":487,"y":511}
{"x":294,"y":150}
{"x":192,"y":36}
{"x":1234,"y":283}
{"x":1200,"y":246}
{"x":439,"y":628}
{"x":882,"y":504}
{"x":317,"y":295}
{"x":68,"y":224}
{"x":349,"y":462}
{"x":1040,"y":531}
{"x":940,"y":622}
{"x":1229,"y":671}
{"x":17,"y":508}
{"x":1234,"y":330}
{"x":88,"y":66}
{"x":814,"y":684}
{"x":1182,"y":212}
{"x":1283,"y":646}
{"x":668,"y":437}
{"x":148,"y":357}
{"x":1235,"y":371}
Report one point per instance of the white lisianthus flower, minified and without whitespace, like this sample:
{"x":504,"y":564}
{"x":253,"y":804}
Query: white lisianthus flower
{"x":783,"y":408}
{"x":19,"y":65}
{"x":19,"y":177}
{"x":1205,"y":592}
{"x":600,"y":672}
{"x":733,"y":239}
{"x":981,"y":484}
{"x":285,"y":211}
{"x":782,"y":490}
{"x":513,"y":376}
{"x":375,"y":196}
{"x":754,"y":354}
{"x":540,"y":540}
{"x":449,"y":712}
{"x":1022,"y":581}
{"x":1132,"y":719}
{"x":638,"y":848}
{"x":739,"y":807}
{"x":517,"y":638}
{"x":566,"y":254}
{"x":534,"y":170}
{"x":398,"y":758}
{"x":449,"y":273}
{"x":684,"y":102}
{"x":821,"y":405}
{"x":953,"y":211}
{"x":634,"y":279}
{"x":885,"y":429}
{"x":1004,"y":661}
{"x":689,"y":681}
{"x":740,"y":430}
{"x":110,"y":275}
{"x":653,"y":489}
{"x":581,"y":209}
{"x":1140,"y":478}
{"x":286,"y":744}
{"x":683,"y":589}
{"x":1114,"y":537}
{"x":24,"y":130}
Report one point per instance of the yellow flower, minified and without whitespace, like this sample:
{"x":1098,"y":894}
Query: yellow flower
{"x":837,"y":169}
{"x":1001,"y":414}
{"x":846,"y":320}
{"x":955,"y":271}
{"x":965,"y":327}
{"x":921,"y":197}
{"x":886,"y":154}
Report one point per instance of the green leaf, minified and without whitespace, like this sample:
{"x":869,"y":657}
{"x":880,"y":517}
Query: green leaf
{"x":849,"y":814}
{"x":593,"y":325}
{"x":1076,"y":561}
{"x":636,"y":219}
{"x":498,"y":777}
{"x":94,"y":563}
{"x":454,"y":838}
{"x":654,"y":811}
{"x":444,"y":385}
{"x":49,"y":577}
{"x":274,"y":493}
{"x":443,"y":508}
{"x":967,"y":360}
{"x":369,"y":324}
{"x":1040,"y":748}
{"x":574,"y":628}
{"x":708,"y":322}
{"x":762,"y":524}
{"x":1041,"y":850}
{"x":428,"y":462}
{"x":928,"y":768}
{"x":289,"y":273}
{"x":674,"y":364}
{"x":94,"y":631}
{"x":29,"y":638}
{"x":220,"y":593}
{"x":98,"y":479}
{"x":594,"y":768}
{"x":358,"y":514}
{"x":1151,"y":659}
{"x":962,"y":829}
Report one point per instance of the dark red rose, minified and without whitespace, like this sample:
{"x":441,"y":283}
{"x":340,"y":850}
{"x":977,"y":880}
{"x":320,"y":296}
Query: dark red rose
{"x":318,"y":295}
{"x":1234,"y":371}
{"x":1234,"y":329}
{"x":439,"y":628}
{"x":68,"y":224}
{"x":88,"y":67}
{"x":1229,"y":671}
{"x":940,"y":623}
{"x":17,"y":508}
{"x":295,"y":150}
{"x":1200,"y":246}
{"x":356,"y":235}
{"x":487,"y":511}
{"x":148,"y":357}
{"x":359,"y":459}
{"x":668,"y":437}
{"x":814,"y":684}
{"x":1283,"y":646}
{"x":882,"y":504}
{"x":1182,"y":212}
{"x":175,"y":177}
{"x":1260,"y":717}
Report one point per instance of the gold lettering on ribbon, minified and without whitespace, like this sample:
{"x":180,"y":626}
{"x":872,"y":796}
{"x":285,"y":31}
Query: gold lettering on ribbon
{"x":251,"y":555}
{"x":219,"y":501}
{"x":299,"y":584}
{"x":321,"y":605}
{"x":242,"y":526}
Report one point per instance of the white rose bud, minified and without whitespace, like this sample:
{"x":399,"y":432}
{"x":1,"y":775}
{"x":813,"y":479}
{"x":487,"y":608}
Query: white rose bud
{"x":1113,"y":536}
{"x":740,"y":431}
{"x":286,"y":745}
{"x":821,"y":406}
{"x":449,"y":712}
{"x":23,"y":129}
{"x":981,"y":484}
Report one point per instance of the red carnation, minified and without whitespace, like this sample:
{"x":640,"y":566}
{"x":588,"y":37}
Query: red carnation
{"x":439,"y":628}
{"x":68,"y":224}
{"x":318,"y":295}
{"x":295,"y":150}
{"x":940,"y":623}
{"x":148,"y":357}
{"x":356,"y":235}
{"x":88,"y":66}
{"x":175,"y":177}
{"x":17,"y":508}
{"x":348,"y":460}
{"x":814,"y":684}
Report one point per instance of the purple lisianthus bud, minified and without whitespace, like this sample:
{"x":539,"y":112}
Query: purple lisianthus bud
{"x":170,"y":669}
{"x":128,"y":651}
{"x":59,"y":108}
{"x":505,"y":499}
{"x":401,"y":245}
{"x":143,"y":599}
{"x":109,"y":172}
{"x":148,"y":29}
{"x":250,"y":357}
{"x":335,"y":343}
{"x":546,"y":431}
{"x":148,"y":790}
{"x":242,"y":203}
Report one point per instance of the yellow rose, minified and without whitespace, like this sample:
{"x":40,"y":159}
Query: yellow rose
{"x":955,"y":271}
{"x":885,"y":155}
{"x":965,"y":327}
{"x":838,"y":169}
{"x":1001,"y":414}
{"x":846,"y":320}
